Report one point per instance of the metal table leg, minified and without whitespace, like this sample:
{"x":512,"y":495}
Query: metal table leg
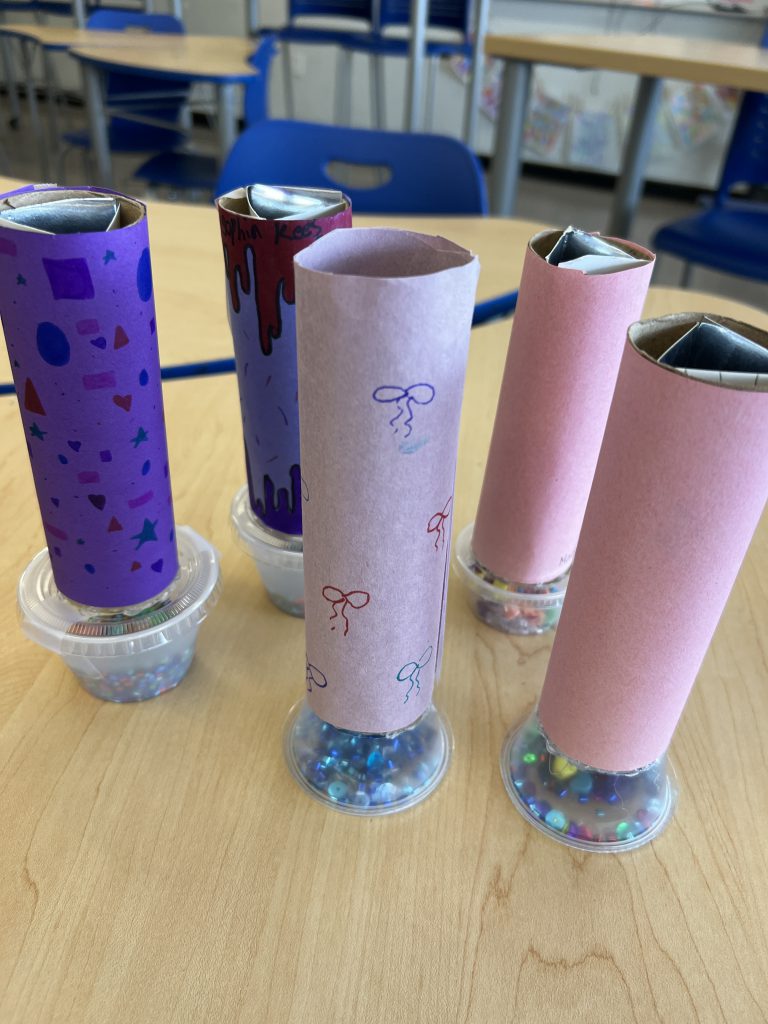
{"x":52,"y":94}
{"x":378,"y":93}
{"x":226,"y":119}
{"x":27,"y":51}
{"x":416,"y":65}
{"x":637,"y":149}
{"x":343,"y":98}
{"x":79,"y":13}
{"x":285,"y":53}
{"x":10,"y":80}
{"x":508,"y":155}
{"x":97,"y":120}
{"x":475,"y":87}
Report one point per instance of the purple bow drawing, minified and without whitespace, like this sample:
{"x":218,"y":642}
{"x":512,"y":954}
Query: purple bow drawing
{"x":405,"y":399}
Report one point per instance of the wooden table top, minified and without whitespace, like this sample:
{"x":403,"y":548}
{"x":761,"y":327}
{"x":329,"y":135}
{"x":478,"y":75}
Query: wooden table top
{"x":205,"y":58}
{"x":64,"y":37}
{"x":186,"y":250}
{"x":693,"y":60}
{"x":158,"y":863}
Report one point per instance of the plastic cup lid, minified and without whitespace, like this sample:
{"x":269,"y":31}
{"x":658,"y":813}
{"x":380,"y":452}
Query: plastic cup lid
{"x":544,"y":595}
{"x":58,"y":624}
{"x":265,"y":546}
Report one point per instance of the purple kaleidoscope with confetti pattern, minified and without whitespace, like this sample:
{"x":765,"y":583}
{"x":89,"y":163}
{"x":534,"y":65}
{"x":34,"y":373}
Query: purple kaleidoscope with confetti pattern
{"x":79,"y":318}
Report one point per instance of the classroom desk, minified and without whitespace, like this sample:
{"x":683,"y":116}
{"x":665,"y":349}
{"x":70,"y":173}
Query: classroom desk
{"x":48,"y":39}
{"x":186,"y":250}
{"x":221,"y":60}
{"x":158,"y":863}
{"x":651,"y":57}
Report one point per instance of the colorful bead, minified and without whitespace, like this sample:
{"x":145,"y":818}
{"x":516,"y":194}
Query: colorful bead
{"x":562,"y":768}
{"x":516,"y":614}
{"x":364,"y":770}
{"x":587,"y":807}
{"x":141,"y":683}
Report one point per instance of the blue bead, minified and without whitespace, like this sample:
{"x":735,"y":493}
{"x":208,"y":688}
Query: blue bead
{"x":384,"y":794}
{"x":337,"y":791}
{"x":375,"y":760}
{"x":556,"y":819}
{"x":581,"y":783}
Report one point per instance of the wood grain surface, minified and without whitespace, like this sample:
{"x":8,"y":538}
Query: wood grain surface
{"x":710,"y":61}
{"x":188,"y":270}
{"x":158,"y":864}
{"x":64,"y":37}
{"x":209,"y":58}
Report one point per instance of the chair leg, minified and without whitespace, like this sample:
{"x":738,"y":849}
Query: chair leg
{"x":685,"y":280}
{"x":52,"y":98}
{"x":378,"y":113}
{"x":288,"y":81}
{"x":61,"y":164}
{"x":10,"y":81}
{"x":343,"y":101}
{"x":429,"y":113}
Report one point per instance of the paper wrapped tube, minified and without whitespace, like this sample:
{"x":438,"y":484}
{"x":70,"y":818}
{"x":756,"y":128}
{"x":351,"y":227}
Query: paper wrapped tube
{"x":79,"y":320}
{"x":258,"y":258}
{"x":678,"y":491}
{"x":564,"y":354}
{"x":383,"y":325}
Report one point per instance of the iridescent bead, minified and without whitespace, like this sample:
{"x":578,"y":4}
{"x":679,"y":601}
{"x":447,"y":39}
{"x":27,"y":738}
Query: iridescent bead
{"x":337,"y":791}
{"x":556,"y":820}
{"x":581,"y":784}
{"x":385,"y":793}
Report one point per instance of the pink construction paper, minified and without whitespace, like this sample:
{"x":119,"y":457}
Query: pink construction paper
{"x":678,"y":491}
{"x":383,"y":323}
{"x":78,"y":313}
{"x":564,"y":353}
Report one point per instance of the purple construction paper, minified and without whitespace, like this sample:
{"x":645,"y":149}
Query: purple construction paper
{"x":258,"y":259}
{"x":78,"y":315}
{"x":383,"y":330}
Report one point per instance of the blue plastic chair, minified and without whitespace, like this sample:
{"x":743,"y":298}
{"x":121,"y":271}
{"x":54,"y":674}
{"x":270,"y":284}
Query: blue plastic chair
{"x":731,"y":234}
{"x":178,"y":169}
{"x":427,"y":173}
{"x":168,"y":98}
{"x":382,"y":15}
{"x":452,"y":15}
{"x":296,"y":32}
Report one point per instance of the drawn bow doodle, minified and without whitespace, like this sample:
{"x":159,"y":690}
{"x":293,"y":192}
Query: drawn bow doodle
{"x":410,"y":673}
{"x":315,"y":677}
{"x":405,"y":399}
{"x":340,"y":601}
{"x":436,"y":524}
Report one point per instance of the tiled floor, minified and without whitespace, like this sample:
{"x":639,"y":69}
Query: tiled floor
{"x":550,"y":201}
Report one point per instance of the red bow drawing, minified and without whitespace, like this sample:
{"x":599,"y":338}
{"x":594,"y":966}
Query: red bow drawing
{"x":436,"y":524}
{"x":351,"y":599}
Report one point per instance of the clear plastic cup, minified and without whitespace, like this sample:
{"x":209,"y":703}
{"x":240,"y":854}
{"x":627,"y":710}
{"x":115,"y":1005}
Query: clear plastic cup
{"x":279,"y":557}
{"x":125,"y":654}
{"x":582,"y":807}
{"x":524,"y":609}
{"x":367,"y":773}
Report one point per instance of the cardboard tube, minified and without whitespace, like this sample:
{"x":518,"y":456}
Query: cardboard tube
{"x":383,"y":319}
{"x":258,"y":259}
{"x":564,"y":354}
{"x":79,"y":318}
{"x":678,"y":491}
